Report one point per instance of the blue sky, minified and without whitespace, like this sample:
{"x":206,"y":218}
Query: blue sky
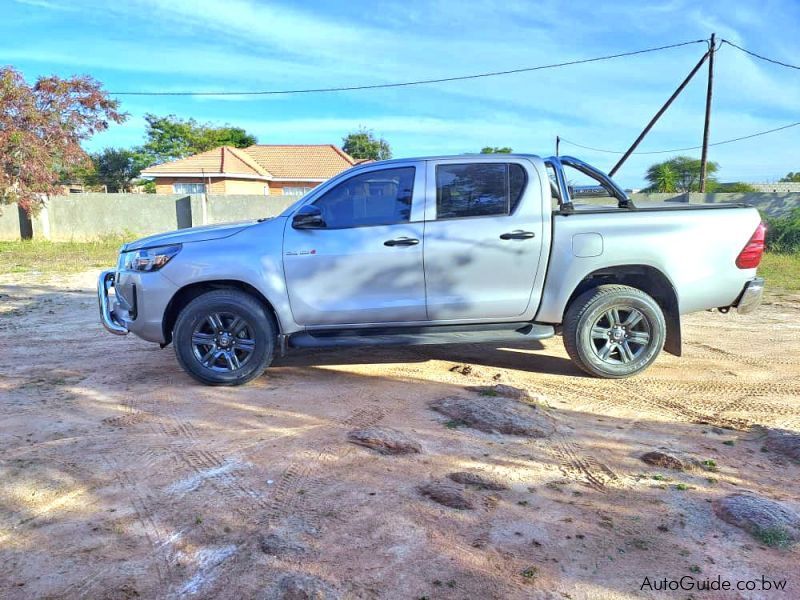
{"x":163,"y":45}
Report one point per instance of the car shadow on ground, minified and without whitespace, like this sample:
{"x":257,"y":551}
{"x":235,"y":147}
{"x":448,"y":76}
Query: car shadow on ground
{"x":529,"y":357}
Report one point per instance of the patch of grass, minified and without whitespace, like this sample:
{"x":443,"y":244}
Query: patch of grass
{"x":454,"y":423}
{"x":709,"y":465}
{"x":59,"y":257}
{"x":682,"y":487}
{"x":488,"y":392}
{"x":781,"y":270}
{"x":774,"y":537}
{"x":729,"y":442}
{"x":695,"y":569}
{"x":530,"y":573}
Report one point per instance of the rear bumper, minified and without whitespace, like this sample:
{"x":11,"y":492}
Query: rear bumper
{"x":107,"y":317}
{"x":751,"y":296}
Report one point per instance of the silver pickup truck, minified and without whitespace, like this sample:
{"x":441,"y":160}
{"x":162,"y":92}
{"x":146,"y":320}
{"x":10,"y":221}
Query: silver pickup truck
{"x":467,"y":249}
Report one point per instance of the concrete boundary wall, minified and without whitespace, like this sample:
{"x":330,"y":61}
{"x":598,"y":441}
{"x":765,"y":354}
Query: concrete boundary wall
{"x":9,"y":222}
{"x":85,"y":217}
{"x":768,"y":203}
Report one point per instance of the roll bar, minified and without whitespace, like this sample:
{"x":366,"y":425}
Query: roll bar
{"x":565,"y":203}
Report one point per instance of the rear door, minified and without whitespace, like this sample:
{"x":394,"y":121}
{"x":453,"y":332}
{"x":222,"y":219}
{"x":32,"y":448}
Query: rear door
{"x":365,"y":264}
{"x":483,"y":237}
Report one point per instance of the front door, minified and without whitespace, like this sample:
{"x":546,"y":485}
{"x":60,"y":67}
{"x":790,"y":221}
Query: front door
{"x":363,"y":264}
{"x":483,"y":238}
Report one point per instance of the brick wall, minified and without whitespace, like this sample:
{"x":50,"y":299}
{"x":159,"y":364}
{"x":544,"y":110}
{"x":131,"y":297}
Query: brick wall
{"x":276,"y":187}
{"x":164,"y":184}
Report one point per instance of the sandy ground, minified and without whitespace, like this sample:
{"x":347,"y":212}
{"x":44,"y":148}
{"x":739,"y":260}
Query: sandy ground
{"x":123,"y":478}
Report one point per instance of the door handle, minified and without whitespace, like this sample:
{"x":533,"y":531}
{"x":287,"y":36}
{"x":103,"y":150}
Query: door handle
{"x":518,"y":235}
{"x":402,"y":241}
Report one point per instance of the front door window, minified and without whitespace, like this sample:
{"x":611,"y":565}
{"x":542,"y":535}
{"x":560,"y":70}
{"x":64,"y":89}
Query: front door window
{"x":375,"y":198}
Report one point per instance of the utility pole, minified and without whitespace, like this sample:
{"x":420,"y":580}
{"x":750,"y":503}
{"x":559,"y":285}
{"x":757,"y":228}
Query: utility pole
{"x":660,"y":112}
{"x":558,"y":143}
{"x":707,"y":125}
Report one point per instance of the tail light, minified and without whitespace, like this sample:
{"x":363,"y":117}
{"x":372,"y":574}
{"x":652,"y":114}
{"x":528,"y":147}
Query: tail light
{"x":751,"y":254}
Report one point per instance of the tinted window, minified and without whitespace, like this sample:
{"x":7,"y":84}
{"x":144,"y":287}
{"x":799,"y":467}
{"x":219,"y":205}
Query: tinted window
{"x":374,"y":198}
{"x":517,"y":179}
{"x":478,"y":189}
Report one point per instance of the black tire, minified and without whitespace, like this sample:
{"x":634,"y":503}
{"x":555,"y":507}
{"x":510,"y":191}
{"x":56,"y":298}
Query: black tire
{"x":635,"y":332}
{"x":216,"y":349}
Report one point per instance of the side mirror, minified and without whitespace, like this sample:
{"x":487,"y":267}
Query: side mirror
{"x":308,"y":217}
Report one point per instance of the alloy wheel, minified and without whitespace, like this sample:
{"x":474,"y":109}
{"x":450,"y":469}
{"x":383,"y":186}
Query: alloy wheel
{"x":621,"y":335}
{"x":223,"y":341}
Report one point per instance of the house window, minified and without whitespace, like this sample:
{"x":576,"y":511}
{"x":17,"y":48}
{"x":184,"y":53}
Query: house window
{"x":189,"y":188}
{"x":299,"y":191}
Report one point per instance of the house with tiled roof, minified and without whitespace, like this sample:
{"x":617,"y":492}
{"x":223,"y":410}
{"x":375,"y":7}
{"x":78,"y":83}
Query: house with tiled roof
{"x":262,"y":169}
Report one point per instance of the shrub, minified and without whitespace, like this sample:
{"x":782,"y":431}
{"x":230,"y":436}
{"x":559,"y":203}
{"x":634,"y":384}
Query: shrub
{"x":783,"y":233}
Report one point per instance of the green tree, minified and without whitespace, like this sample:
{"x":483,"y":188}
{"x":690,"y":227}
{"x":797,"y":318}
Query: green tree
{"x":496,"y":150}
{"x":170,"y":138}
{"x":363,"y":144}
{"x":41,"y":129}
{"x":791,"y":177}
{"x":686,"y":174}
{"x":116,"y":169}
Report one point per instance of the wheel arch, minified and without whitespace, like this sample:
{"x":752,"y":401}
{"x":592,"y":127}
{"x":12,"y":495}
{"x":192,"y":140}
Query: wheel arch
{"x":191,"y":291}
{"x":650,"y":280}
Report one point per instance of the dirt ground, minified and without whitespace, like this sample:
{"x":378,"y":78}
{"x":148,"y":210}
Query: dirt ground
{"x":122,"y":478}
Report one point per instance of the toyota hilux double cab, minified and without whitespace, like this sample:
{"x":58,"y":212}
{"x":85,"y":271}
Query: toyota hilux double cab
{"x":468,"y":249}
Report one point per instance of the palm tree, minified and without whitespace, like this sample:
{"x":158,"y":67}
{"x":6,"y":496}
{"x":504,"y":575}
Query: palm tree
{"x":662,"y":178}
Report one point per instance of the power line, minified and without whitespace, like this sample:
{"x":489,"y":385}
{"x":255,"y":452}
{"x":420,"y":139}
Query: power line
{"x":730,"y":141}
{"x":759,"y":56}
{"x":410,"y":83}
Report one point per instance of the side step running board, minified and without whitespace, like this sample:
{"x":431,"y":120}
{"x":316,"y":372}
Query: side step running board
{"x":415,"y":336}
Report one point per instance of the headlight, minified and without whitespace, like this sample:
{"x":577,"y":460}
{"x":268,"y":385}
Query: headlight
{"x":150,"y":259}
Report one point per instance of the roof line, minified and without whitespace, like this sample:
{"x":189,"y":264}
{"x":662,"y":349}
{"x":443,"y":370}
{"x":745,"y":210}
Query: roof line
{"x":343,"y":154}
{"x":249,"y":160}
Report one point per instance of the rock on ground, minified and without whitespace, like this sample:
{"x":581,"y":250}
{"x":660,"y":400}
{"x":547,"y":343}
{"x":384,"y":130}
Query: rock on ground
{"x":385,"y":440}
{"x":303,"y":587}
{"x":784,"y":442}
{"x":446,"y":494}
{"x":495,"y":414}
{"x":663,"y":460}
{"x":476,"y":480}
{"x":501,"y":389}
{"x":768,"y":521}
{"x":277,"y":544}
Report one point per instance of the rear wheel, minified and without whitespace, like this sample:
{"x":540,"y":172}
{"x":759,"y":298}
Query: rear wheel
{"x":614,"y":331}
{"x":224,"y":337}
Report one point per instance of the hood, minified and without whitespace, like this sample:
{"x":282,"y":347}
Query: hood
{"x":192,"y":234}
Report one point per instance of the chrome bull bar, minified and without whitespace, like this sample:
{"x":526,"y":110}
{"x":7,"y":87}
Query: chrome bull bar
{"x":104,"y":283}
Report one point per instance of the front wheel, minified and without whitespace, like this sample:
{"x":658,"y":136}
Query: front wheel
{"x":224,"y":337}
{"x":614,"y":331}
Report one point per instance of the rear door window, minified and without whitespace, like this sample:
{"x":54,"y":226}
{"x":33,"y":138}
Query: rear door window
{"x":478,"y":189}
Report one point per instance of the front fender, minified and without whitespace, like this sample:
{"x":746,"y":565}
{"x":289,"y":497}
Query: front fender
{"x":253,"y":257}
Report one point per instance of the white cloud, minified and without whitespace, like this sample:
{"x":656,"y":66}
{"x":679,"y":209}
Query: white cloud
{"x":249,"y":45}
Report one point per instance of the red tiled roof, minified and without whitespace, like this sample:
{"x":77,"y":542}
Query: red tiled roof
{"x":270,"y":161}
